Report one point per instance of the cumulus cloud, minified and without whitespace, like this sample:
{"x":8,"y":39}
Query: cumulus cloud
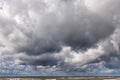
{"x":60,"y":33}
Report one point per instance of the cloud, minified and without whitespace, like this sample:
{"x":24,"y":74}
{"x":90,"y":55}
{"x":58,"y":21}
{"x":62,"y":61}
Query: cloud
{"x":111,"y":48}
{"x":60,"y":34}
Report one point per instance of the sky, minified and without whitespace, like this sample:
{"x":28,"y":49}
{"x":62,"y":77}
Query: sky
{"x":60,"y":37}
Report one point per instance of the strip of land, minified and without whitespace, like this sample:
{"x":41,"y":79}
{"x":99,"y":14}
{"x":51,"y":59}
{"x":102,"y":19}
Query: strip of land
{"x":56,"y":78}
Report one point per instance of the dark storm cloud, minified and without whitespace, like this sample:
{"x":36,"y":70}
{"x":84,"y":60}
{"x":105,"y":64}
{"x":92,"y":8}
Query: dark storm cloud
{"x":80,"y":30}
{"x":83,"y":34}
{"x":78,"y":34}
{"x":45,"y":60}
{"x":38,"y":47}
{"x":38,"y":32}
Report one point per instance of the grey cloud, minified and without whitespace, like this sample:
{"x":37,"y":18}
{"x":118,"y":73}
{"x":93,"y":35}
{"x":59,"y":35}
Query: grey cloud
{"x":44,"y":59}
{"x":41,"y":29}
{"x":78,"y":32}
{"x":40,"y":47}
{"x":84,"y":34}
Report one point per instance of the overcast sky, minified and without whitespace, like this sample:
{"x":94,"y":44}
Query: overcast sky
{"x":60,"y":37}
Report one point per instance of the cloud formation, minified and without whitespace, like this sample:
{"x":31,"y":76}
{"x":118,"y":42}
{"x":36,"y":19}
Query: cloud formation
{"x":60,"y":33}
